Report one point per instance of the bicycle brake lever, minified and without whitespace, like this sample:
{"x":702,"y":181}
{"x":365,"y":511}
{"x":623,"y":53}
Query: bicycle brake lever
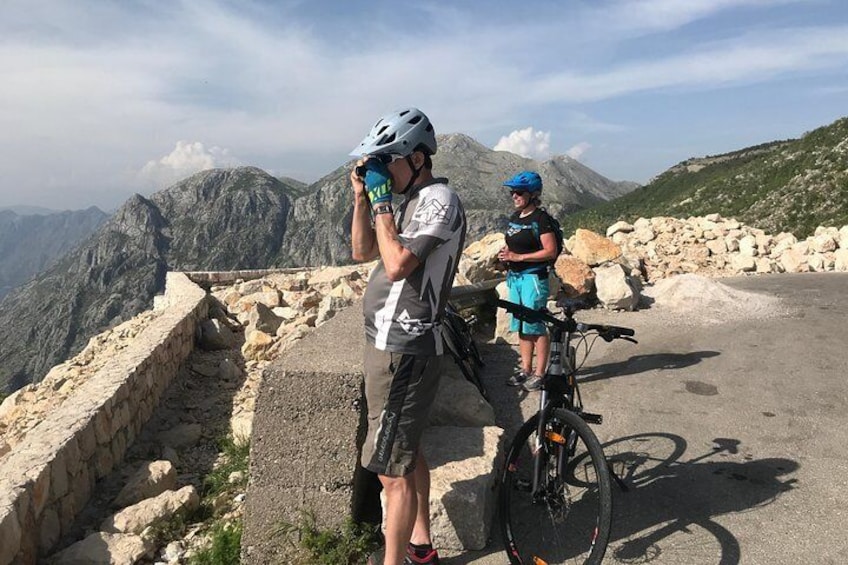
{"x":630,"y":339}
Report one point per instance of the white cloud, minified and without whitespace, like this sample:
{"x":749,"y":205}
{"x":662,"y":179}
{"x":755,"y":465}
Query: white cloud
{"x":744,"y":60}
{"x":645,"y":16}
{"x":94,"y":88}
{"x":186,"y":159}
{"x":527,"y":142}
{"x":578,"y":150}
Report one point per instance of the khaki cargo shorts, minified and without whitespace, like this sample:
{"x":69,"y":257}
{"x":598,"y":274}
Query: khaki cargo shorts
{"x":400,"y":389}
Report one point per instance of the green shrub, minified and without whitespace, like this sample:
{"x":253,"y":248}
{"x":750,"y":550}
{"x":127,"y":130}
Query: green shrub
{"x":224,"y":546}
{"x":348,"y":544}
{"x":236,"y":455}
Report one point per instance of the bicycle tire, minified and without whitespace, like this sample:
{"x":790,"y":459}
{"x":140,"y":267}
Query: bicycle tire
{"x":459,"y":343}
{"x":564,"y":524}
{"x":475,"y":353}
{"x":464,"y":331}
{"x":472,"y":375}
{"x":467,"y":367}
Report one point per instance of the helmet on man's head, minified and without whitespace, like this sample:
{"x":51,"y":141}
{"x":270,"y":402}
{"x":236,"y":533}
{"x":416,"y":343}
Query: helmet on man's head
{"x":525,"y":180}
{"x":400,"y":133}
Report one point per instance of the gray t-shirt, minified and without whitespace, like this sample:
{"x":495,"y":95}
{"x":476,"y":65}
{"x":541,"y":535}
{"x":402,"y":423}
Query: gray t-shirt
{"x":404,"y":316}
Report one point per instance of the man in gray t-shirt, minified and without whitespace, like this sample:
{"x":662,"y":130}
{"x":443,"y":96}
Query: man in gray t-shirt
{"x":418,"y":245}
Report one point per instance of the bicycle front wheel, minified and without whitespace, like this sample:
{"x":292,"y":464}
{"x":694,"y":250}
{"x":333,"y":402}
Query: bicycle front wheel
{"x":560,"y":522}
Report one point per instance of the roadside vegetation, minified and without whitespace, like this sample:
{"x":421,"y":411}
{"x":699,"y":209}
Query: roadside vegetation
{"x":348,"y":544}
{"x":793,"y":185}
{"x":222,"y":522}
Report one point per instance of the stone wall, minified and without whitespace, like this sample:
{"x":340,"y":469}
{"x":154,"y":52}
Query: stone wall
{"x":48,"y":478}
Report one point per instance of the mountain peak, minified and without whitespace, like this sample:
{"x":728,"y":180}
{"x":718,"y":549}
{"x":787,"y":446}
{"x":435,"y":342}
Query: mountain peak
{"x":459,"y":141}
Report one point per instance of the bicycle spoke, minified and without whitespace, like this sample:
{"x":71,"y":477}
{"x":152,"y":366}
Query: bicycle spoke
{"x":560,"y":523}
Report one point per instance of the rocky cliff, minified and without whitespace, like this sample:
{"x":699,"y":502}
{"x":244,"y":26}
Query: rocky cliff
{"x":30,"y":243}
{"x":217,"y":219}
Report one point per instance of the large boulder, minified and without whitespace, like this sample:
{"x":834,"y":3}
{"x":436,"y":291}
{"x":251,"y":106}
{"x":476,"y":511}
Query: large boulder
{"x":615,"y":289}
{"x":577,"y":279}
{"x":136,"y":518}
{"x":592,"y":248}
{"x":479,"y":261}
{"x":151,"y":479}
{"x":215,"y":336}
{"x":503,"y":319}
{"x":103,"y":548}
{"x":458,"y":402}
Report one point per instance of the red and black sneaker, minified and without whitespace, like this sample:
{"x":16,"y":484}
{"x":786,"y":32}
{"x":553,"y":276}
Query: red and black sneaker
{"x":414,"y":557}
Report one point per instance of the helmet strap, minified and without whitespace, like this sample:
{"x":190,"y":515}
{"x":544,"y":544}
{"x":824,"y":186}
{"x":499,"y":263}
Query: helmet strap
{"x":415,"y":173}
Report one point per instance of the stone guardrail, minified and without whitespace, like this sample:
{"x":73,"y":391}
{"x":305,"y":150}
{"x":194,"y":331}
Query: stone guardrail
{"x":222,"y":278}
{"x":48,"y":478}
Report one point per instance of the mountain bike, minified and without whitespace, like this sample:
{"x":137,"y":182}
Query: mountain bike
{"x":459,"y":342}
{"x":555,"y":498}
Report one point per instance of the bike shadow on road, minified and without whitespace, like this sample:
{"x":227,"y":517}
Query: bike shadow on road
{"x":637,"y":364}
{"x":668,"y":513}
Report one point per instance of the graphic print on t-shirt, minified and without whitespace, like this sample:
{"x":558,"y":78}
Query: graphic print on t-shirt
{"x":433,"y":212}
{"x":413,"y":327}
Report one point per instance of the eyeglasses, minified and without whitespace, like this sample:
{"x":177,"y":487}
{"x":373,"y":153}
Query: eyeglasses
{"x":517,"y":193}
{"x":387,"y":158}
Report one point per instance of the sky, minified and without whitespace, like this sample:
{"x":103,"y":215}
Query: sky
{"x":102,"y":99}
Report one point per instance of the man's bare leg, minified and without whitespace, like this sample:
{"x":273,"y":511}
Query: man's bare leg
{"x":401,"y":512}
{"x":421,"y":532}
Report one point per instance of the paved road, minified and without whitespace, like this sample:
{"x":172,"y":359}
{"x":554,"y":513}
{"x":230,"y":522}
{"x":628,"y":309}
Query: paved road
{"x":751,"y":416}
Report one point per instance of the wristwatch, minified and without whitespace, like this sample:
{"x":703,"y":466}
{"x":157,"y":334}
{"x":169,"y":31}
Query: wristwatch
{"x":385,"y":208}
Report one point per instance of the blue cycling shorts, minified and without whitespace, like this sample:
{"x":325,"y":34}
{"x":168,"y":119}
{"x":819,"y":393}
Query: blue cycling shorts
{"x":531,"y":291}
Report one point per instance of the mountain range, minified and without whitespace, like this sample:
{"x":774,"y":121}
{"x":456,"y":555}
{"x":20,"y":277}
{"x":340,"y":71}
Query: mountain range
{"x":242,"y":218}
{"x":792,"y":185}
{"x":30,"y":241}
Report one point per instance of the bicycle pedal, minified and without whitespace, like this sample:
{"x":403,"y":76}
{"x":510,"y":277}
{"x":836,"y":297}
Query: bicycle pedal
{"x":592,"y":418}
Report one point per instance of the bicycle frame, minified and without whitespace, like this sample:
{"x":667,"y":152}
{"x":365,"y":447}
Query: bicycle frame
{"x":561,"y":430}
{"x":558,"y":391}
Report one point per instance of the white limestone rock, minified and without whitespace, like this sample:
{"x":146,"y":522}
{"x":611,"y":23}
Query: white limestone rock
{"x":136,"y":518}
{"x":151,"y":479}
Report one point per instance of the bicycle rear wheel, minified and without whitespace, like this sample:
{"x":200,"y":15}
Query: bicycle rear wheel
{"x":460,"y":344}
{"x":561,"y":523}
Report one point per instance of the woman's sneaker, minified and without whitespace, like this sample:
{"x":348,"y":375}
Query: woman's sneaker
{"x":428,"y":557}
{"x":532,"y":384}
{"x":516,"y":379}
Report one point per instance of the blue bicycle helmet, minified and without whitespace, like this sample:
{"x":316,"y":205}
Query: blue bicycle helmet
{"x":525,"y":180}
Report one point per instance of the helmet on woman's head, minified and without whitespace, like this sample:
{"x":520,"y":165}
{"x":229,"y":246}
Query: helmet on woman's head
{"x":400,"y":133}
{"x":525,"y":180}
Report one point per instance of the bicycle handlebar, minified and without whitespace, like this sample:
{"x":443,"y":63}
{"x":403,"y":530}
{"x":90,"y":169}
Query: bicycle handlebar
{"x":608,"y":333}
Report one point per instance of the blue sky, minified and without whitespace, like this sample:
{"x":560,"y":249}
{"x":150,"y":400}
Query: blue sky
{"x":102,"y":99}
